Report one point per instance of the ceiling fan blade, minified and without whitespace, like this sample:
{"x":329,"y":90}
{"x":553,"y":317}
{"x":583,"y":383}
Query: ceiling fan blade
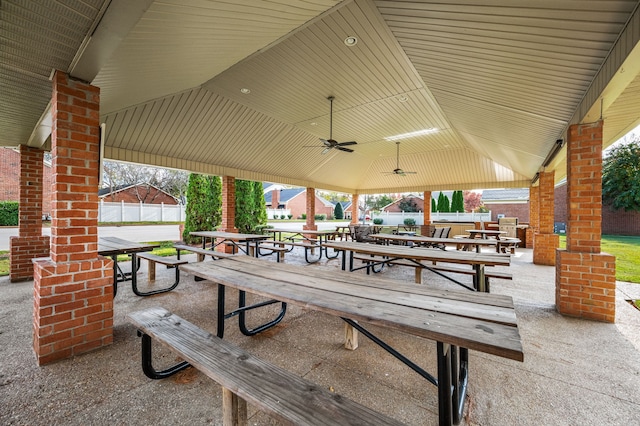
{"x":343,"y":149}
{"x":347,"y":143}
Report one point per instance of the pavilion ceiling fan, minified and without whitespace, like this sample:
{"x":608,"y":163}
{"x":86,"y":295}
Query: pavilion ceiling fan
{"x":329,"y":144}
{"x":398,"y":171}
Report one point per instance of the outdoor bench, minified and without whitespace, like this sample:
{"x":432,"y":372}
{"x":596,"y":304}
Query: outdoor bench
{"x":245,"y":378}
{"x":507,"y":243}
{"x":169,"y":262}
{"x":274,"y":246}
{"x":201,"y":252}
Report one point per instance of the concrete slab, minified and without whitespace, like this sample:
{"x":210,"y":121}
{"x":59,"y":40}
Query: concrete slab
{"x":575,"y":371}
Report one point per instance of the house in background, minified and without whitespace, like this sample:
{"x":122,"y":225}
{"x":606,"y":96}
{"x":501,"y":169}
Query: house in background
{"x":507,"y":203}
{"x":295,"y":200}
{"x":137,"y":193}
{"x":10,"y":179}
{"x":395,"y":206}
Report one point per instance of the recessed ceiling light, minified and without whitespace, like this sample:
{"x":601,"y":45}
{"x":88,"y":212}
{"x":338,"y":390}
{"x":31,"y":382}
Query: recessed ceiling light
{"x":411,"y":134}
{"x":314,"y":124}
{"x":245,"y":91}
{"x":350,"y":41}
{"x":403,"y":98}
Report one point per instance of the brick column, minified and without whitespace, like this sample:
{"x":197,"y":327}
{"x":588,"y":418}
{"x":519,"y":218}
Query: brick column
{"x":228,"y":223}
{"x":30,"y":243}
{"x":585,"y":277}
{"x":311,"y":210}
{"x":425,"y":228}
{"x":73,"y":289}
{"x":545,"y":242}
{"x":355,"y":213}
{"x":534,"y":215}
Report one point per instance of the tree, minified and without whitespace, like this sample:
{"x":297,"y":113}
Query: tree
{"x":440,"y":203}
{"x":472,"y":200}
{"x":204,"y":206}
{"x":117,"y":174}
{"x":621,"y":177}
{"x":457,"y":202}
{"x":408,"y":205}
{"x":259,"y":204}
{"x":434,"y":208}
{"x":338,"y":211}
{"x":245,"y":206}
{"x":443,"y":203}
{"x":377,"y":203}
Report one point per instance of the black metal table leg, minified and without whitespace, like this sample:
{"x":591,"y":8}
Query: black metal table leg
{"x":445,"y":406}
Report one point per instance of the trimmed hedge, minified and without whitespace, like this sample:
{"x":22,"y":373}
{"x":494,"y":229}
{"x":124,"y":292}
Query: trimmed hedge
{"x":9,"y":213}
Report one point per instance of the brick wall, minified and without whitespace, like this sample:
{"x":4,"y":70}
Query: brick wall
{"x":519,"y":210}
{"x":10,"y":179}
{"x":614,"y":222}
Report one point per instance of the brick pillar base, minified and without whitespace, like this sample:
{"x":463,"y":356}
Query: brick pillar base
{"x":22,"y":250}
{"x":73,"y":307}
{"x":545,"y":249}
{"x":528,"y":243}
{"x":426,"y":230}
{"x":586,"y":285}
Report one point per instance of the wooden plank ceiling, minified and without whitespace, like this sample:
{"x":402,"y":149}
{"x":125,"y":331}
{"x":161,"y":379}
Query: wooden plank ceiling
{"x":497,"y":81}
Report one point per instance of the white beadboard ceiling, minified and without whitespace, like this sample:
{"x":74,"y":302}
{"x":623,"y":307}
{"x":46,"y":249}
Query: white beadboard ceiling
{"x":500,"y":80}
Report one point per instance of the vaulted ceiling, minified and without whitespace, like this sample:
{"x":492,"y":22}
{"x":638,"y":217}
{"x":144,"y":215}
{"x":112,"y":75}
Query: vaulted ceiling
{"x":497,"y":82}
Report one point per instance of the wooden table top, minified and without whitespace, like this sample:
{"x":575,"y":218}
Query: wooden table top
{"x":485,"y":231}
{"x":305,"y":231}
{"x":232,"y":236}
{"x":421,"y":239}
{"x":110,"y":246}
{"x":420,"y":254}
{"x":478,"y":321}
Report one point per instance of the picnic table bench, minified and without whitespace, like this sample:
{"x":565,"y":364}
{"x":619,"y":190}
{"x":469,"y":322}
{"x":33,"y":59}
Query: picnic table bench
{"x":153,"y":259}
{"x":246,"y":378}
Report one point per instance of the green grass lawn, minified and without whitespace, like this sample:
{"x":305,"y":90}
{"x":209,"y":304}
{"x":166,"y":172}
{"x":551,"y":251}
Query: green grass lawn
{"x":625,"y":249}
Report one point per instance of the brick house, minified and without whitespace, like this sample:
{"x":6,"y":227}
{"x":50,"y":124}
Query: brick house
{"x":507,"y":203}
{"x":145,"y":193}
{"x":295,"y":200}
{"x":10,"y":179}
{"x":395,"y":206}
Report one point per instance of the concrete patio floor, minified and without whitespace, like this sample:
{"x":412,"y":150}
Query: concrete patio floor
{"x":575,"y":372}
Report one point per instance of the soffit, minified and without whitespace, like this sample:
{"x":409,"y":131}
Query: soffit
{"x":37,"y":37}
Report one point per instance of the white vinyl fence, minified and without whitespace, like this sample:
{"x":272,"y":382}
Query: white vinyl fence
{"x":130,"y":212}
{"x":389,"y":218}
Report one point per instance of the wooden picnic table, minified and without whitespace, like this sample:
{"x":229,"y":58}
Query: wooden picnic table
{"x":113,"y":247}
{"x":216,"y":238}
{"x":421,"y":256}
{"x":431,"y":242}
{"x":484,"y":233}
{"x":309,"y":239}
{"x":457,"y":321}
